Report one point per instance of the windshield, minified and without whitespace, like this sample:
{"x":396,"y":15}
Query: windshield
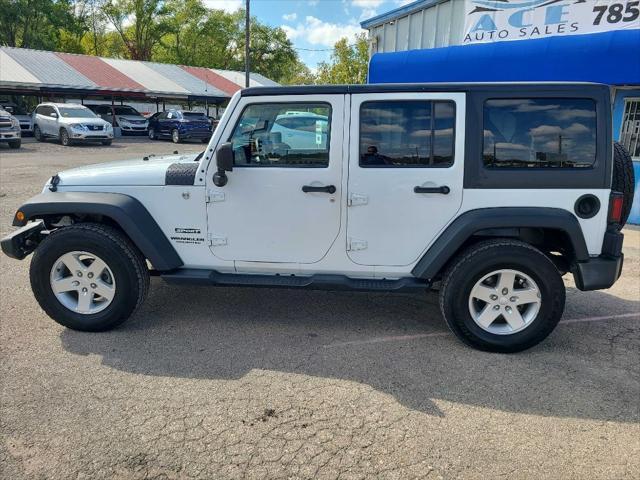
{"x":125,"y":110}
{"x":76,"y":112}
{"x":194,"y":116}
{"x":15,"y":109}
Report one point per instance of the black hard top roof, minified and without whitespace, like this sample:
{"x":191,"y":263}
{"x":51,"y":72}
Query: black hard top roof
{"x":505,"y":87}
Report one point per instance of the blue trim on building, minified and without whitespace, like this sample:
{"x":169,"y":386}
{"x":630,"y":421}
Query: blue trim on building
{"x":634,"y":216}
{"x":600,"y":57}
{"x":399,"y":12}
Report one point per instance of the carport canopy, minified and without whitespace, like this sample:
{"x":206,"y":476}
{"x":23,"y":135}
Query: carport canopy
{"x":36,"y":72}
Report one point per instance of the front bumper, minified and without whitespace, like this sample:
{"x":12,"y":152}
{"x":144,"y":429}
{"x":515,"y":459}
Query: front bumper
{"x":9,"y":135}
{"x":199,"y":134}
{"x":23,"y":241}
{"x":603,"y":271}
{"x":95,"y":135}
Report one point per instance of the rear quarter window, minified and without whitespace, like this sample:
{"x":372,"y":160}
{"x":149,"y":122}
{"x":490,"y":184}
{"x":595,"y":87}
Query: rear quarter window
{"x":539,"y":133}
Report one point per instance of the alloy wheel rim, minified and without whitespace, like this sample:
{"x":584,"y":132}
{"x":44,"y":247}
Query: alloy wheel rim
{"x":82,"y":282}
{"x":504,"y":302}
{"x":176,"y":136}
{"x":151,"y":133}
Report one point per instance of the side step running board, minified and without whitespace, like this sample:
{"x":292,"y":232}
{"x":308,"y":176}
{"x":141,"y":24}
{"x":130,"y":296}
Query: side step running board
{"x":314,"y":282}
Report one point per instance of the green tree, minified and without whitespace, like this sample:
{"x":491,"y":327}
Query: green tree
{"x":214,"y":38}
{"x":348,"y":63}
{"x":140,"y":24}
{"x":35,"y":23}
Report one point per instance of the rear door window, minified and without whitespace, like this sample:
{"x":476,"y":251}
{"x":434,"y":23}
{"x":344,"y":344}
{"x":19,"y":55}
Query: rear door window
{"x":407,"y":134}
{"x":539,"y":133}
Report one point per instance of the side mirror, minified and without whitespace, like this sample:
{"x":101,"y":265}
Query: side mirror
{"x":53,"y":115}
{"x":224,"y":162}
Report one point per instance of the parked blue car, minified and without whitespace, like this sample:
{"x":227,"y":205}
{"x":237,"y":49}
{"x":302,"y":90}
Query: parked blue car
{"x":180,"y":125}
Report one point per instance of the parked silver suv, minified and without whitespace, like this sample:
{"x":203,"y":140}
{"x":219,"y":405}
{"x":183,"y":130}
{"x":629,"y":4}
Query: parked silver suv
{"x":9,"y":129}
{"x":70,"y":123}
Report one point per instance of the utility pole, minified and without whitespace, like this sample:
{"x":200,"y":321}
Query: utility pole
{"x":247,"y":38}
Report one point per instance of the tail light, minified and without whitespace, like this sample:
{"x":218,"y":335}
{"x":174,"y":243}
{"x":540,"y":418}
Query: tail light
{"x":616,"y":204}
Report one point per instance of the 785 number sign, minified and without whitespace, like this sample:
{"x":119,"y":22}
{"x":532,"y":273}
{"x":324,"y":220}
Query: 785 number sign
{"x":617,"y":12}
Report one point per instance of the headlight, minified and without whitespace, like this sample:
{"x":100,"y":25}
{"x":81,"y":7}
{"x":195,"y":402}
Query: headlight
{"x":122,"y":120}
{"x":79,"y":126}
{"x":15,"y":123}
{"x":108,"y":126}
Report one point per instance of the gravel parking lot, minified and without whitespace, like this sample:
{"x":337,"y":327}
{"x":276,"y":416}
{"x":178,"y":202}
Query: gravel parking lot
{"x":260,"y":383}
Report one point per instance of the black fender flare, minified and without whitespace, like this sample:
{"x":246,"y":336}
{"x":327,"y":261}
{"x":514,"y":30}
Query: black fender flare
{"x":132,"y":217}
{"x":473,"y":221}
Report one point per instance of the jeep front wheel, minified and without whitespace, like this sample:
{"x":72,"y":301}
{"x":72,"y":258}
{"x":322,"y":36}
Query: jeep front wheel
{"x":502,"y":296}
{"x":88,"y":277}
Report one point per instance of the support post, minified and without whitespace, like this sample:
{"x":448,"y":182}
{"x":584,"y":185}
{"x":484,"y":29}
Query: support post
{"x":247,"y":39}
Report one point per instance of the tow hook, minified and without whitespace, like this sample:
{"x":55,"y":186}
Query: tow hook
{"x":53,"y":183}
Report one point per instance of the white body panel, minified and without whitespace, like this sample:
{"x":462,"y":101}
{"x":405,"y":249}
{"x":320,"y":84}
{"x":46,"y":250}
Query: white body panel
{"x":128,"y":172}
{"x":396,"y":223}
{"x":249,"y":221}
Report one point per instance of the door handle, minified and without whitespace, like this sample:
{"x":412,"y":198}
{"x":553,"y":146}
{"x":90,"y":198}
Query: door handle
{"x":444,"y":190}
{"x":311,"y":189}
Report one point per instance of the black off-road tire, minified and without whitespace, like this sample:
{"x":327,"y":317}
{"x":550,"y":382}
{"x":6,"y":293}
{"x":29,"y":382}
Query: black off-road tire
{"x":15,"y":143}
{"x":483,"y":258}
{"x":151,"y":133}
{"x":111,"y":245}
{"x":107,"y":142}
{"x":175,"y":136}
{"x":623,"y":178}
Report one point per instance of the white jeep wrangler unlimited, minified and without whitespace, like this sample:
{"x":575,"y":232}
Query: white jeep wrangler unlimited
{"x":490,"y":192}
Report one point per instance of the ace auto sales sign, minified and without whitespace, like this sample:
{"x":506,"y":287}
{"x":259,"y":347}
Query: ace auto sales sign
{"x":500,"y":20}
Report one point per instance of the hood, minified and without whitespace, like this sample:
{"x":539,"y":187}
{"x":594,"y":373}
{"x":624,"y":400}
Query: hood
{"x":85,"y":121}
{"x":137,"y":172}
{"x":132,"y":117}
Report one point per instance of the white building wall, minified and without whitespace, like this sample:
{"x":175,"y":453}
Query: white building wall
{"x":438,"y":24}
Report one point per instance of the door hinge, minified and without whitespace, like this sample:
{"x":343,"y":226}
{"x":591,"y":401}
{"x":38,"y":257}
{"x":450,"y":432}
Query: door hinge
{"x":355,"y":244}
{"x":215,"y":196}
{"x":357,"y":199}
{"x":216,"y":240}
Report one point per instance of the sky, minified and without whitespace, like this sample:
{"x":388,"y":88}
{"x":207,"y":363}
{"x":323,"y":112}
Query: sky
{"x":313,"y":26}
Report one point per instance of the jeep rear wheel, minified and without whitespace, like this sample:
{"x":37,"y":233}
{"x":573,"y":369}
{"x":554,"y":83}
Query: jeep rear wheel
{"x":175,"y":136}
{"x":502,"y":296}
{"x":88,"y":277}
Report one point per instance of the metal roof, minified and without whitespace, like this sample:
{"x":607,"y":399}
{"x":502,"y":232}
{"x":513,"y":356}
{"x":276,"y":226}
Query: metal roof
{"x":50,"y":72}
{"x":209,"y":75}
{"x":12,"y":72}
{"x":100,"y":72}
{"x":49,"y":68}
{"x":149,"y":78}
{"x":255,"y":79}
{"x":194,"y":84}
